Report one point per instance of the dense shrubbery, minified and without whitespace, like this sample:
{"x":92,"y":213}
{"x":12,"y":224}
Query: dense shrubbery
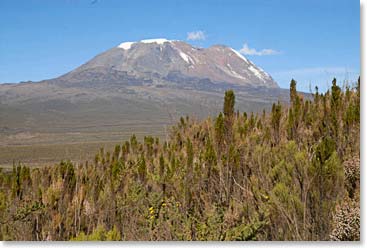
{"x":292,"y":174}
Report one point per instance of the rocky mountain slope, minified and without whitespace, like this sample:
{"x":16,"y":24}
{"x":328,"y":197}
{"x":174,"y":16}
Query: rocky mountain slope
{"x":169,"y":63}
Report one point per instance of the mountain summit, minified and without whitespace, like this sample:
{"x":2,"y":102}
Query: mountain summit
{"x":171,"y":63}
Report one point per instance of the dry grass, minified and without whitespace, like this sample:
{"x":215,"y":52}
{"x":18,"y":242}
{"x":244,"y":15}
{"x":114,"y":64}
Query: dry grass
{"x":49,"y":152}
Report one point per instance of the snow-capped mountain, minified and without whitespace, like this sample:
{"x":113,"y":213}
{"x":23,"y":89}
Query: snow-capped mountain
{"x":170,"y":62}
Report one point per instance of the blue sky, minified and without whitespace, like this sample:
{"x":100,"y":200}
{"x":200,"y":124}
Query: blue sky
{"x":309,"y":40}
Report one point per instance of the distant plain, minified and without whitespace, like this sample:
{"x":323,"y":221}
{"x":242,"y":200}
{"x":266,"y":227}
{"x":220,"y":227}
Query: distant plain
{"x":44,"y":133}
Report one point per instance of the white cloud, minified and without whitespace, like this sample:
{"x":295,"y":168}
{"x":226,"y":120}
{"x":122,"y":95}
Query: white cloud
{"x":196,"y":35}
{"x":246,"y":50}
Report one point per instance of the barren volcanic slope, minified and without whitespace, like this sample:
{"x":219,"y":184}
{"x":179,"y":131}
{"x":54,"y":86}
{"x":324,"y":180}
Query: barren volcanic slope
{"x":137,"y":87}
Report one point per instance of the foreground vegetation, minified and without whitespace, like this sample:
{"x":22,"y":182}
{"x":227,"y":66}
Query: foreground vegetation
{"x":291,"y":174}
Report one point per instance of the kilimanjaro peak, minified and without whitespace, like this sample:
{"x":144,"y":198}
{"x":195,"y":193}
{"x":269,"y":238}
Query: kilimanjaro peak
{"x":172,"y":63}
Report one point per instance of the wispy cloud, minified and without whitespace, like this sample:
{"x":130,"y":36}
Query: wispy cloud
{"x":196,"y":35}
{"x":308,"y":77}
{"x":246,"y":50}
{"x":326,"y":71}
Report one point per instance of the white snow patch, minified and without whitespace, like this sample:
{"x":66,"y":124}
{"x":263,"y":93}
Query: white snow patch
{"x":257,"y":72}
{"x":126,"y":45}
{"x":235,"y":74}
{"x":264,"y":72}
{"x":240,"y":55}
{"x":186,"y":57}
{"x":158,"y":41}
